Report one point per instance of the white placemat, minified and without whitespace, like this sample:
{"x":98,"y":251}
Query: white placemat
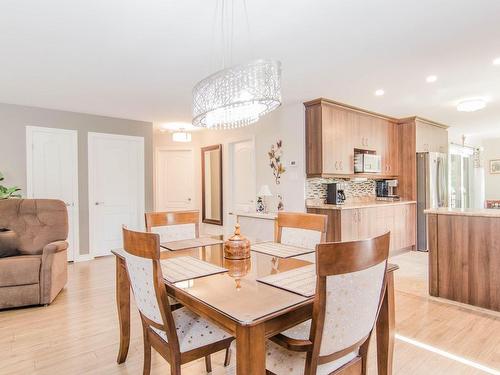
{"x":187,"y":268}
{"x":299,"y":280}
{"x":280,"y":250}
{"x":190,"y":244}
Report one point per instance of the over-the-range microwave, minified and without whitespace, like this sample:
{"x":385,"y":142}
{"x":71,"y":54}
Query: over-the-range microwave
{"x":367,"y":163}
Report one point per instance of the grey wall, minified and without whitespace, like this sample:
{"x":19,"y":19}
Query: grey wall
{"x":13,"y":122}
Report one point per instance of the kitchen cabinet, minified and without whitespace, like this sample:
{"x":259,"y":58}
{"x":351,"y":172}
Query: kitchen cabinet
{"x":337,"y":135}
{"x":334,"y":130}
{"x":351,"y":224}
{"x":430,"y":137}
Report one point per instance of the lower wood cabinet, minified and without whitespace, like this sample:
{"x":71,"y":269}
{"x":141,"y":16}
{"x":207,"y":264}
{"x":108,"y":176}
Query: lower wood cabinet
{"x":361,"y":223}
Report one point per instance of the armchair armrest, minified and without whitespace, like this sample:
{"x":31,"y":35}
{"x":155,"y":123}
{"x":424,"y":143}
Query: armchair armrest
{"x":54,"y":270}
{"x":54,"y":247}
{"x":292,"y":344}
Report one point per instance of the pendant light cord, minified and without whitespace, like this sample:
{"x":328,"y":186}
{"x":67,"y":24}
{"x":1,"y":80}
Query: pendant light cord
{"x":225,"y":9}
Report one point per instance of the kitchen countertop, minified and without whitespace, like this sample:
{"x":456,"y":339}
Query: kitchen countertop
{"x":256,"y":215}
{"x":351,"y":206}
{"x":483,"y":212}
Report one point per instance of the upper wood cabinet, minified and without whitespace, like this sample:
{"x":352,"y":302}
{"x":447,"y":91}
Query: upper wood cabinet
{"x":431,"y":137}
{"x":334,"y":130}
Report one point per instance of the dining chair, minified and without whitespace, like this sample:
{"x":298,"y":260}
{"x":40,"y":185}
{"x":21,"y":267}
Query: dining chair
{"x":179,"y":336}
{"x":349,"y":290}
{"x":301,"y":229}
{"x":174,"y":225}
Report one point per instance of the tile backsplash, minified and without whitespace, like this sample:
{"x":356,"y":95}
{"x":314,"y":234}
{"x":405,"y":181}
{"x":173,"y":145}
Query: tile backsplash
{"x":355,"y":191}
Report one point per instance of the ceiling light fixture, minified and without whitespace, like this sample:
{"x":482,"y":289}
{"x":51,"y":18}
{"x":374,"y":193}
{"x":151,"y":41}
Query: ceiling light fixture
{"x":431,"y":79}
{"x":176,"y":126}
{"x":379,"y":92}
{"x":496,"y":61}
{"x":181,"y":136}
{"x":471,"y":105}
{"x":240,"y":95}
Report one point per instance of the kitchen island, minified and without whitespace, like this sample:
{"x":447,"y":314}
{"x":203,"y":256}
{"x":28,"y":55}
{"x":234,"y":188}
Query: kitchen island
{"x":464,"y":255}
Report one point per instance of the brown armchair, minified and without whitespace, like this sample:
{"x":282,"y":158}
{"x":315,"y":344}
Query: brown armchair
{"x":38,"y":273}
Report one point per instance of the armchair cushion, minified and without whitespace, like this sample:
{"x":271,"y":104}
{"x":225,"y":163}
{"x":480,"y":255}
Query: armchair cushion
{"x":20,"y":270}
{"x":8,"y":243}
{"x":37,"y":222}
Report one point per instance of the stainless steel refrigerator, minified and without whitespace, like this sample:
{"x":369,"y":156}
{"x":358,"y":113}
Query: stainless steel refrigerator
{"x":432,"y":189}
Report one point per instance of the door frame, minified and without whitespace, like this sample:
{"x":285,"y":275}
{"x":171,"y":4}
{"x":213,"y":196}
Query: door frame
{"x":159,"y":149}
{"x":74,"y":252}
{"x":91,"y":137}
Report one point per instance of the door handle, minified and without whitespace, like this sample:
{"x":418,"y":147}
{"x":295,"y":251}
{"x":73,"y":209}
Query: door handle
{"x":189,"y":199}
{"x":70,"y":204}
{"x":99,"y":203}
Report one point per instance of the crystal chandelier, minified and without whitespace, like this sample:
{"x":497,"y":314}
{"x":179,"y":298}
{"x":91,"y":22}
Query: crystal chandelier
{"x":237,"y":96}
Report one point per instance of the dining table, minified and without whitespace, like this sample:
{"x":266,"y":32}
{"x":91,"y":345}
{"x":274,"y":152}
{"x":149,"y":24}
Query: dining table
{"x":248,"y":309}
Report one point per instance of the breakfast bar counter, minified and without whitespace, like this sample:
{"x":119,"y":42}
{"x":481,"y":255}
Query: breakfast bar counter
{"x":464,"y":255}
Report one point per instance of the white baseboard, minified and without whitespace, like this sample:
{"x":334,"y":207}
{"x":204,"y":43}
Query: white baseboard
{"x":83,"y":258}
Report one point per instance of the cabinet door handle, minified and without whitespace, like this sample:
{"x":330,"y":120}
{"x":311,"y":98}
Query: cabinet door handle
{"x":336,"y":165}
{"x":341,"y":167}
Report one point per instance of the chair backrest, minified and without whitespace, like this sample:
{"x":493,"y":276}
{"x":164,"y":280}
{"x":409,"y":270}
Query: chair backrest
{"x":37,"y":222}
{"x":174,"y":225}
{"x":301,"y":229}
{"x":350,"y":285}
{"x":142,"y":257}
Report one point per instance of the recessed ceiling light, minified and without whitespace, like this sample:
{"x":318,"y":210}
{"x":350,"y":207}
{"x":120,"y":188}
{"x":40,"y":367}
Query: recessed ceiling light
{"x":471,"y":105}
{"x":431,"y":79}
{"x":379,"y":92}
{"x":496,"y":61}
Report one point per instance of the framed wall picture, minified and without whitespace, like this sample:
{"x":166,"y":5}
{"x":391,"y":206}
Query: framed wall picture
{"x":495,"y":166}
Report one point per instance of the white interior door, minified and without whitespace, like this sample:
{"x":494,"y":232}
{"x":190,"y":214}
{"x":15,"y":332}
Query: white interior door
{"x":175,"y":188}
{"x":116,"y":189}
{"x":52,"y":173}
{"x":242,"y":176}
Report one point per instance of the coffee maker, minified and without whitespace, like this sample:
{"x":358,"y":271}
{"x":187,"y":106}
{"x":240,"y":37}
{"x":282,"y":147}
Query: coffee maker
{"x":385,"y":190}
{"x":335,"y":193}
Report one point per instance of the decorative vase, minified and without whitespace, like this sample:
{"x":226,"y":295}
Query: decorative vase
{"x":237,"y":246}
{"x":261,"y":207}
{"x":237,"y":269}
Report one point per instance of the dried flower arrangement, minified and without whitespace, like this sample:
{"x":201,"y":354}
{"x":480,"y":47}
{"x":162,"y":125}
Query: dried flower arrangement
{"x":275,"y":160}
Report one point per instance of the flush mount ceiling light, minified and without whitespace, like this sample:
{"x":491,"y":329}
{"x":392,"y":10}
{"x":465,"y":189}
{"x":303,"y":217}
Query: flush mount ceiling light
{"x":240,"y":95}
{"x":175,"y":126}
{"x":471,"y":105}
{"x":431,"y":79}
{"x":379,"y":92}
{"x":181,"y":137}
{"x":496,"y":61}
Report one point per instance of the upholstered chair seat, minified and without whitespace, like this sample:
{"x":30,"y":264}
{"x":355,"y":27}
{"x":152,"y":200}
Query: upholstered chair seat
{"x":180,"y":336}
{"x":193,"y":331}
{"x":349,"y":291}
{"x":283,"y":361}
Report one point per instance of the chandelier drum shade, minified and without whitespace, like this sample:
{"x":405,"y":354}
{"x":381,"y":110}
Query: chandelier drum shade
{"x":237,"y":96}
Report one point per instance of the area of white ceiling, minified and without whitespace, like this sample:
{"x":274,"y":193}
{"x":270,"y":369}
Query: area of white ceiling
{"x":140,"y":59}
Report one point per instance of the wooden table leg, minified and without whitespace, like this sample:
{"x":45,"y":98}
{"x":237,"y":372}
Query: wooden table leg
{"x":385,"y":329}
{"x":123,"y":306}
{"x":251,"y":350}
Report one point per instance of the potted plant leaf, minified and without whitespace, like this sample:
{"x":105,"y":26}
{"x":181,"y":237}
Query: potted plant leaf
{"x":8,"y":192}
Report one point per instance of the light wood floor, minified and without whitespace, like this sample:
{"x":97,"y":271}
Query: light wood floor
{"x":78,"y":334}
